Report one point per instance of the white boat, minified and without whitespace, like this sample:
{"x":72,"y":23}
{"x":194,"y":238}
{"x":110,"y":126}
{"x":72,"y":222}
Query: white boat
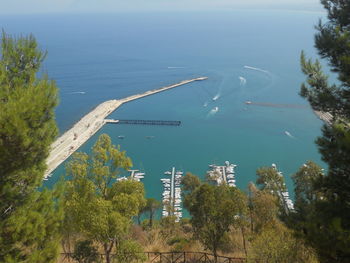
{"x":165,"y":180}
{"x":138,"y":174}
{"x":216,"y":97}
{"x":122,"y":178}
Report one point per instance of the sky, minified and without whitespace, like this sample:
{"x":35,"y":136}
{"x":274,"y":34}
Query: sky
{"x":113,"y":6}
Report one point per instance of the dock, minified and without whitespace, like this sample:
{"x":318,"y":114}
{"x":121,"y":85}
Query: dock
{"x":283,"y":193}
{"x":171,"y":197}
{"x":135,"y":175}
{"x":145,"y":122}
{"x":224,"y":174}
{"x":92,"y":122}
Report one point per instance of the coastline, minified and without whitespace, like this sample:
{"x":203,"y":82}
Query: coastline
{"x":324,"y":116}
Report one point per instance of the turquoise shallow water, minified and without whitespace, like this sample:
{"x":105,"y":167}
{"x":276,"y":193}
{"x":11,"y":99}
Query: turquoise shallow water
{"x":99,"y":57}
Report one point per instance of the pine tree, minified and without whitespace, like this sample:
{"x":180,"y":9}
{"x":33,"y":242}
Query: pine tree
{"x":96,"y":205}
{"x":214,"y":209}
{"x":29,"y":219}
{"x":332,"y":212}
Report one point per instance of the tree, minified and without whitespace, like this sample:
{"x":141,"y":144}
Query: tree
{"x":129,"y":251}
{"x":272,"y":181}
{"x":214,"y":209}
{"x":305,"y":181}
{"x":189,"y":183}
{"x":271,"y":240}
{"x":151,"y":207}
{"x":263,"y":208}
{"x":29,"y":219}
{"x":333,"y":211}
{"x":85,"y":252}
{"x":278,"y":244}
{"x":98,"y":206}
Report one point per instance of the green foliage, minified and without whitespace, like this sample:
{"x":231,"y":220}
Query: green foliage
{"x":305,"y":181}
{"x":214,"y":209}
{"x":277,"y":244}
{"x":272,"y":181}
{"x":263,"y":207}
{"x":85,"y":252}
{"x":29,"y":220}
{"x":96,"y":205}
{"x":329,"y":231}
{"x":129,"y":251}
{"x":190,"y":182}
{"x":151,"y":207}
{"x":179,"y":243}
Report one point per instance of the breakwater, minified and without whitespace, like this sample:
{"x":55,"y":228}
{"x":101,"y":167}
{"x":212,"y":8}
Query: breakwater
{"x":86,"y":127}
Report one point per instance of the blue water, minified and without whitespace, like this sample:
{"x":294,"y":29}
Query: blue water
{"x":95,"y":58}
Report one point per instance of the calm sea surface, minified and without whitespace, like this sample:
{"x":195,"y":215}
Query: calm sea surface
{"x":95,"y":58}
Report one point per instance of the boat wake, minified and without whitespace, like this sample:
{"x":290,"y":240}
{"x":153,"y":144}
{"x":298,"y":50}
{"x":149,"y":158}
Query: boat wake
{"x":216,"y":97}
{"x":77,"y":92}
{"x":243,"y":81}
{"x":213,"y":111}
{"x":289,"y":135}
{"x":205,"y":104}
{"x":257,"y":69}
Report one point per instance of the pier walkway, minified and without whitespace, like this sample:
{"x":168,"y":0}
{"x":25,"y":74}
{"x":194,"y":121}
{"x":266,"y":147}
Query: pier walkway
{"x":85,"y":128}
{"x":145,"y":122}
{"x":172,"y":197}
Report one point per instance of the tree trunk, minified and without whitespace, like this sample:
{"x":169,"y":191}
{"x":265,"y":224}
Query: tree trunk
{"x":108,"y":248}
{"x":139,"y":219}
{"x":151,"y":218}
{"x":244,"y":243}
{"x":215,"y":254}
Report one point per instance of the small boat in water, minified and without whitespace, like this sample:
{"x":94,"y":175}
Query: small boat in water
{"x":216,"y":97}
{"x":121,"y":137}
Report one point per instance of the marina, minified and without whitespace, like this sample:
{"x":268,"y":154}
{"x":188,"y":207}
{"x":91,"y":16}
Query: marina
{"x":135,"y":175}
{"x":222,"y":174}
{"x":92,"y":122}
{"x":284,"y":195}
{"x":171,"y":196}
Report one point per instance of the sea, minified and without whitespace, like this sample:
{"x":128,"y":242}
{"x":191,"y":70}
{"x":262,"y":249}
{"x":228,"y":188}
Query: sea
{"x":247,"y":55}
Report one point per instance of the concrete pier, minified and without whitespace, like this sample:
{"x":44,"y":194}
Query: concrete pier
{"x":84,"y":129}
{"x":145,"y":122}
